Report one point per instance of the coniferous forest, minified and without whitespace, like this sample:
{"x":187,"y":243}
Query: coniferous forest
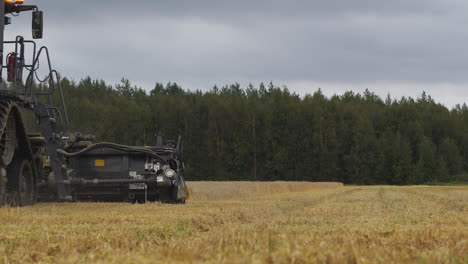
{"x":267,"y":133}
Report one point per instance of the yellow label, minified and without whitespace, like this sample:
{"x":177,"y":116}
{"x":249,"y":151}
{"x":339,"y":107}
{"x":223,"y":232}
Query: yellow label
{"x":99,"y":163}
{"x":46,"y":164}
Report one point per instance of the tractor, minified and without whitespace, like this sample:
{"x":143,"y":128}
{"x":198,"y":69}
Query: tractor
{"x":53,"y":165}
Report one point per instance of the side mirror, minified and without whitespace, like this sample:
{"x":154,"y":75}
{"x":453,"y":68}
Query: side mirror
{"x":37,"y":24}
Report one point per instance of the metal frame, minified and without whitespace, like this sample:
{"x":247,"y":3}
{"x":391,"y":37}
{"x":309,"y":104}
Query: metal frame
{"x":51,"y":121}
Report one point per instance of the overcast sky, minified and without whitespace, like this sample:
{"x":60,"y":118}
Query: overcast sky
{"x":401,"y":47}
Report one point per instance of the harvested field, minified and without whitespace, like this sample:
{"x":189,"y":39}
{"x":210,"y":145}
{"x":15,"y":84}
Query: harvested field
{"x":279,"y":223}
{"x":238,"y":190}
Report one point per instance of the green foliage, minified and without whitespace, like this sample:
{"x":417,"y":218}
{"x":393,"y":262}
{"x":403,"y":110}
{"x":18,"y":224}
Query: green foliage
{"x":269,"y":133}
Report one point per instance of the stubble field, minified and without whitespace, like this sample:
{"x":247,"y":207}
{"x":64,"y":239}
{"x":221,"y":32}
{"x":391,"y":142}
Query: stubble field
{"x":249,"y":223}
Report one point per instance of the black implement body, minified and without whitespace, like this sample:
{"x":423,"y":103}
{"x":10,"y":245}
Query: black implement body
{"x":113,"y":172}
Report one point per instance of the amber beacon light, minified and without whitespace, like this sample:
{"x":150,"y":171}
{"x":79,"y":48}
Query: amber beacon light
{"x":15,"y":2}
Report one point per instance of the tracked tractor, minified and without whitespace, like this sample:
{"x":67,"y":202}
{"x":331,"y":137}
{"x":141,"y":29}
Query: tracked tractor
{"x":52,"y":165}
{"x":18,"y":168}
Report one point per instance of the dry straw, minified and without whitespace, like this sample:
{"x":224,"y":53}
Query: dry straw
{"x":202,"y":190}
{"x":243,"y":222}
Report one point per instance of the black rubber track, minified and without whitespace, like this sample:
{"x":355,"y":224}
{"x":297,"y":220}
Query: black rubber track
{"x":16,"y":159}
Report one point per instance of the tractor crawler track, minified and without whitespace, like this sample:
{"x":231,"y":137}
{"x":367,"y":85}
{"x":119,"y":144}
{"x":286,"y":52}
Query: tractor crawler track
{"x":15,"y":148}
{"x":7,"y":131}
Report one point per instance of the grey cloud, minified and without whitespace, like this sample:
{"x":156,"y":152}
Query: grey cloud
{"x":207,"y":8}
{"x":203,"y":42}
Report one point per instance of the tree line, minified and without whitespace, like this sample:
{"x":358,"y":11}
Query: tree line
{"x":267,"y":133}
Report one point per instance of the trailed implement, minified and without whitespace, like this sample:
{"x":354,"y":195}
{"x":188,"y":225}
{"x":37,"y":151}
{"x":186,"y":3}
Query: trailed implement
{"x":113,"y":172}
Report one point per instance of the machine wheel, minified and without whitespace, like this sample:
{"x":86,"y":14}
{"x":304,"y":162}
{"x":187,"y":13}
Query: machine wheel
{"x":20,"y":183}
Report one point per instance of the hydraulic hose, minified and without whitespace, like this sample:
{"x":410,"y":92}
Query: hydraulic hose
{"x":112,"y":146}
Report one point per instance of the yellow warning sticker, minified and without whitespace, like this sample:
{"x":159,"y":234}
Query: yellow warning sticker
{"x":99,"y":163}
